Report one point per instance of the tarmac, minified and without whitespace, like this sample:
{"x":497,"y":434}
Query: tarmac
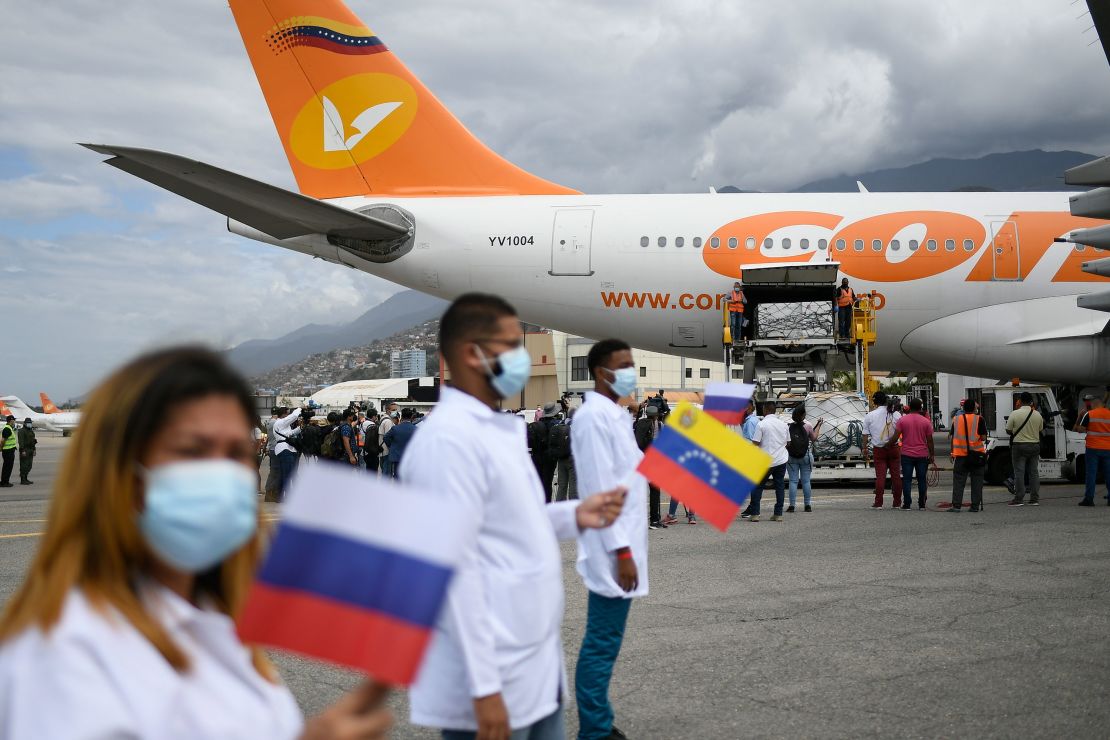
{"x":846,"y":622}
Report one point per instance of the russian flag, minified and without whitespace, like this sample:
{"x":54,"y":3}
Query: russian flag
{"x":357,"y":572}
{"x":726,"y":402}
{"x":705,"y":465}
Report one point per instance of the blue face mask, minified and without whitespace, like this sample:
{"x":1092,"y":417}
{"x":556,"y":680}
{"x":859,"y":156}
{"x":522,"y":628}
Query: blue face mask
{"x":624,"y":380}
{"x":198,"y":512}
{"x":515,"y":370}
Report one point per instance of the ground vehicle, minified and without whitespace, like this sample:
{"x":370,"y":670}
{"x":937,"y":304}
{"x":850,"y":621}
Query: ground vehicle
{"x":1061,"y":450}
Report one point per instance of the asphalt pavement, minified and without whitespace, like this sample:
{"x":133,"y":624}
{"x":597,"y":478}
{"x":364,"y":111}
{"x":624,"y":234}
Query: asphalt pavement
{"x":846,"y":622}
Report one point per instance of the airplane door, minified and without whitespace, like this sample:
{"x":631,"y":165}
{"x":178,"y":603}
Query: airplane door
{"x":570,"y":242}
{"x":1006,"y":250}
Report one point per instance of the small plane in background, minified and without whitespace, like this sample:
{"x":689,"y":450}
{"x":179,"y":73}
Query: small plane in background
{"x":60,"y":421}
{"x":48,"y":406}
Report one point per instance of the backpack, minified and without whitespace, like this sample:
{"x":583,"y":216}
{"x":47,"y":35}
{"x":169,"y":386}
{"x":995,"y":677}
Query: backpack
{"x":558,"y":443}
{"x":537,"y":437}
{"x":370,"y":441}
{"x":798,"y":445}
{"x":332,"y":448}
{"x":310,"y":439}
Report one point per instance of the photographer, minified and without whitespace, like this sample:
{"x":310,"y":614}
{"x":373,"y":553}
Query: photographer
{"x":288,"y":432}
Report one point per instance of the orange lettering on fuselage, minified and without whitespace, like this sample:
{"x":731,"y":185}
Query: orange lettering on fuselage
{"x":1035,"y":232}
{"x":876,"y":266}
{"x":724,"y":260}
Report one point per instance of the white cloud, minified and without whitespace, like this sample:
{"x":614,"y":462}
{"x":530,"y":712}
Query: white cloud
{"x":622,"y":96}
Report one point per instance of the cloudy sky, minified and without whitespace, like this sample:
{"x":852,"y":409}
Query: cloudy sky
{"x":613,"y":96}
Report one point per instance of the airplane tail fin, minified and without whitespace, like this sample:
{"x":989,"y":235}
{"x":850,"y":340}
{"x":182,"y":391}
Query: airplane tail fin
{"x":353,"y":119}
{"x":5,"y":412}
{"x":48,"y":406}
{"x":15,"y":407}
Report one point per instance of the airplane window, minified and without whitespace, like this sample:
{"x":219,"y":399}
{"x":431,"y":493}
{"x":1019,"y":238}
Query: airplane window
{"x":804,"y":244}
{"x":914,"y":245}
{"x":750,"y":242}
{"x":822,"y":244}
{"x":732,"y":242}
{"x":679,"y":241}
{"x":840,"y":245}
{"x":715,"y":242}
{"x":950,"y":245}
{"x":786,"y":244}
{"x":969,"y":246}
{"x":768,"y":243}
{"x":697,"y":242}
{"x":662,"y":241}
{"x":895,"y":245}
{"x":644,"y":241}
{"x":858,"y":245}
{"x":932,"y":245}
{"x":877,"y":245}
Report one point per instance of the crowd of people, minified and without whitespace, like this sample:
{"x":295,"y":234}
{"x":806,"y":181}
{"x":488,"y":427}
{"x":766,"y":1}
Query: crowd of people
{"x":360,"y":436}
{"x":124,"y":624}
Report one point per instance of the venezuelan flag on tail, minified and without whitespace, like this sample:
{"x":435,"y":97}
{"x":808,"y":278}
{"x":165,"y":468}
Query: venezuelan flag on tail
{"x":726,"y":402}
{"x":347,"y":585}
{"x":704,"y":465}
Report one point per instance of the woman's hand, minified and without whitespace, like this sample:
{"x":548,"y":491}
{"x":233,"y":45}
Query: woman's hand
{"x":359,"y":714}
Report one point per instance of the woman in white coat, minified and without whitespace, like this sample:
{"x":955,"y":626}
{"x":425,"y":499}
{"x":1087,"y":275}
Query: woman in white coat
{"x":123,"y":626}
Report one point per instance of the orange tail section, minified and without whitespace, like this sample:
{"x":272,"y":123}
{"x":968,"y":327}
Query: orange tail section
{"x":48,"y":406}
{"x":353,"y":119}
{"x":4,"y":412}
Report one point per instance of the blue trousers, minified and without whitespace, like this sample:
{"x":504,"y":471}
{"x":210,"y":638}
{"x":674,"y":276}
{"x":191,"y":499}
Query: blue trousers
{"x":287,"y":465}
{"x":844,"y":314}
{"x":910,"y":467}
{"x":1096,"y":460}
{"x":735,"y":324}
{"x":549,"y":728}
{"x":778,"y":475}
{"x":605,"y":620}
{"x":800,"y":468}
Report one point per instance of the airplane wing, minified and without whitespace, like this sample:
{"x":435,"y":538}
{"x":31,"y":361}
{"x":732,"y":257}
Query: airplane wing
{"x":1100,"y":14}
{"x":272,"y":210}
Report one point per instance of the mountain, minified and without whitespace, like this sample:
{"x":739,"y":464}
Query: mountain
{"x":401,"y":311}
{"x":1035,"y":170}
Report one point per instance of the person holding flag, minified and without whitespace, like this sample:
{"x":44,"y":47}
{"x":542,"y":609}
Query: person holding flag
{"x":495,"y":666}
{"x":123,"y":626}
{"x":612,"y":562}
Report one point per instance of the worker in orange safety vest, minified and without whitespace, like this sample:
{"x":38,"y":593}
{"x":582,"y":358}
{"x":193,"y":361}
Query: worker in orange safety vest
{"x":1096,"y":424}
{"x":737,"y":303}
{"x":845,"y":299}
{"x":969,"y":456}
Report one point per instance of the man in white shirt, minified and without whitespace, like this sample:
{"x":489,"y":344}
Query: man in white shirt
{"x":387,"y":422}
{"x":772,"y":435}
{"x":613,"y":561}
{"x":495,"y":664}
{"x":880,"y":438}
{"x":286,"y":429}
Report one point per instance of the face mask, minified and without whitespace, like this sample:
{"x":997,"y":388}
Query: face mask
{"x":198,"y":512}
{"x":624,"y":381}
{"x":515,"y":370}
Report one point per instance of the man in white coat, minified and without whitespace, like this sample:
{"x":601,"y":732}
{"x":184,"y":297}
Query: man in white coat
{"x":494,"y":669}
{"x":613,"y":561}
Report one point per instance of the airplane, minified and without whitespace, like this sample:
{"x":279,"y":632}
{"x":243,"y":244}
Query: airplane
{"x":391,"y":183}
{"x":48,"y":406}
{"x":63,"y":421}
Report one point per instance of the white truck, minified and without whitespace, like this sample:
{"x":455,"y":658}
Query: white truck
{"x":1061,"y":449}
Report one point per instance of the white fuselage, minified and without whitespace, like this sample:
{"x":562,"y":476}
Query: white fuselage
{"x":971,"y":282}
{"x":64,"y":421}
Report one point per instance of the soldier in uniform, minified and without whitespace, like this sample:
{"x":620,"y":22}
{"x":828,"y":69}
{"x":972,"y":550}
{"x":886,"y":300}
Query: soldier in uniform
{"x":27,"y":443}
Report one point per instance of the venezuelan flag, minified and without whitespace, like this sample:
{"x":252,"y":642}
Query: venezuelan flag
{"x":323,"y":33}
{"x":705,"y":465}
